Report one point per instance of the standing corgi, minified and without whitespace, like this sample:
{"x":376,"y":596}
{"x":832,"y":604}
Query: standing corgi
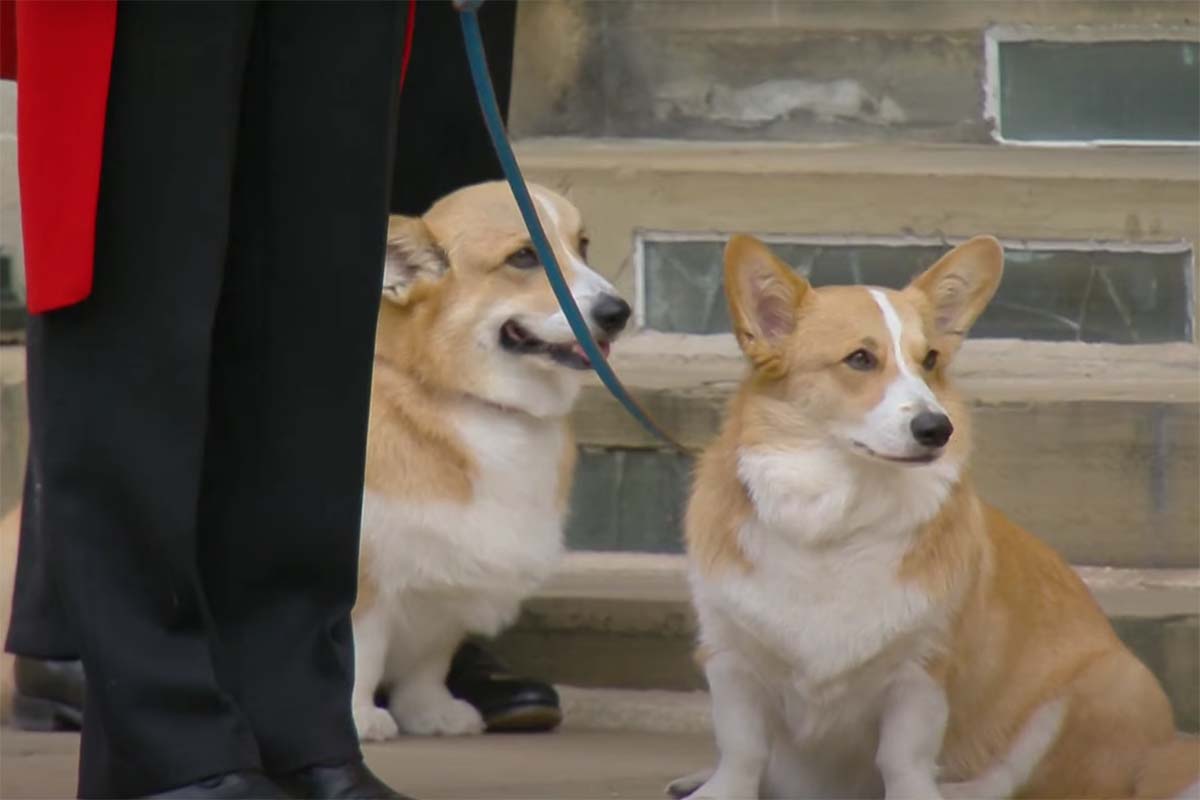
{"x":469,"y":454}
{"x":869,"y":627}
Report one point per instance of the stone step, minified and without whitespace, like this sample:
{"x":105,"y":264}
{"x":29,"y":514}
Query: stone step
{"x":623,"y":621}
{"x":890,"y":192}
{"x":1094,"y":447}
{"x":795,"y":71}
{"x":14,"y":425}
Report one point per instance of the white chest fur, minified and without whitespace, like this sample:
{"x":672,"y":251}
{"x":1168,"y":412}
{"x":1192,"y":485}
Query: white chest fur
{"x":823,"y":617}
{"x":505,"y":539}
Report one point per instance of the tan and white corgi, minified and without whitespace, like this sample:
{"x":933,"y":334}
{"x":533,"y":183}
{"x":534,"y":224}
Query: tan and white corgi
{"x":869,"y":627}
{"x":469,"y":455}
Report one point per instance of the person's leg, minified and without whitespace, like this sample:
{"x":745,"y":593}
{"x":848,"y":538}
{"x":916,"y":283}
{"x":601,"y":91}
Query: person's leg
{"x":40,"y":627}
{"x":293,"y":352}
{"x":118,"y":390}
{"x":47,"y":675}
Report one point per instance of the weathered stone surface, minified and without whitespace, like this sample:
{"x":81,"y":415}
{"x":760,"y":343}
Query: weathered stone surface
{"x":14,"y":425}
{"x":763,"y":70}
{"x":1128,"y":195}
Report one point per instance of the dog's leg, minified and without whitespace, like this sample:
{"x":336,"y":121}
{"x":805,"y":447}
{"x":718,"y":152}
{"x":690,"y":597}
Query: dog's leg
{"x":740,"y":714}
{"x":370,"y":653}
{"x":1004,"y":778}
{"x":910,"y":737}
{"x":420,"y":702}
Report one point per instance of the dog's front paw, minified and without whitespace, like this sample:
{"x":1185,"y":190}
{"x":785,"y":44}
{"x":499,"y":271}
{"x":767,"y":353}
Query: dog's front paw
{"x":686,"y":786}
{"x":374,"y":724}
{"x":967,"y":790}
{"x":915,"y":787}
{"x":445,"y":716}
{"x":725,"y":787}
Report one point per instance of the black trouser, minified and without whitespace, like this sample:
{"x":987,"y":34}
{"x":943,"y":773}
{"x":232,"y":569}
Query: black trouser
{"x":198,"y":424}
{"x":442,"y":143}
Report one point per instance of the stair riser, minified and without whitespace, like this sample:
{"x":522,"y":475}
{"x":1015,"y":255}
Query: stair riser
{"x":1104,"y":482}
{"x":616,"y":204}
{"x":616,"y":644}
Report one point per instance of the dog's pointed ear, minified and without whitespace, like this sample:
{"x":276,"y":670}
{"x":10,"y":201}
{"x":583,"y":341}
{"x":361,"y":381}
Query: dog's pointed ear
{"x":412,"y":256}
{"x":959,"y":286}
{"x":764,"y":300}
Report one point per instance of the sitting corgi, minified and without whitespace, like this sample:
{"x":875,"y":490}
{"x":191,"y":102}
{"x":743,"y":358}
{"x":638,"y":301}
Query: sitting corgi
{"x":869,"y":627}
{"x":469,"y":454}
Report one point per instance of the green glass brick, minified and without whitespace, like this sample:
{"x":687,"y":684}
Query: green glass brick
{"x":1129,"y":90}
{"x":1047,"y":294}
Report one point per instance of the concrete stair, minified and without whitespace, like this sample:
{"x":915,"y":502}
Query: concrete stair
{"x":626,"y":187}
{"x":832,"y":121}
{"x":801,"y":70}
{"x":620,"y":620}
{"x":1093,"y":447}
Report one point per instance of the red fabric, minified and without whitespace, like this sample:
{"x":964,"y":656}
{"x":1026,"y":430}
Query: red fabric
{"x":63,"y":54}
{"x":408,"y":40}
{"x":64,"y":57}
{"x":8,"y":40}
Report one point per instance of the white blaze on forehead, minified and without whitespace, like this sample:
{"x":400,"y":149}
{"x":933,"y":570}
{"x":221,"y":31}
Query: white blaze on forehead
{"x":587,"y":283}
{"x":909,"y":382}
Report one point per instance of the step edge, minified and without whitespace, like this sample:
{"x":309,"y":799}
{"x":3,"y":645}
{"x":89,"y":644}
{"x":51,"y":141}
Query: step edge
{"x":661,"y":580}
{"x":1089,"y":162}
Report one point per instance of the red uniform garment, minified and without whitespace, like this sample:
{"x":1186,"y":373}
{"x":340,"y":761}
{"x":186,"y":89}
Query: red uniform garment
{"x":63,"y":49}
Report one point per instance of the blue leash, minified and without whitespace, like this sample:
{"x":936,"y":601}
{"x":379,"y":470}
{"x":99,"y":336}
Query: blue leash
{"x":508,"y":162}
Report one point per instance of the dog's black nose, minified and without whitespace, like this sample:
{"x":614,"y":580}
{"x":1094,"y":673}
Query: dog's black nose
{"x":931,"y":428}
{"x":611,"y":313}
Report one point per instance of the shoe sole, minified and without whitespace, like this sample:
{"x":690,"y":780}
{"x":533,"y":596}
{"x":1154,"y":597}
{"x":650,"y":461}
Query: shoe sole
{"x":525,"y":719}
{"x":38,"y":714}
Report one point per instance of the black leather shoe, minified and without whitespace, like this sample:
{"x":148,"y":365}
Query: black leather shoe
{"x":49,"y":695}
{"x":230,"y":786}
{"x":506,"y":702}
{"x":348,"y":781}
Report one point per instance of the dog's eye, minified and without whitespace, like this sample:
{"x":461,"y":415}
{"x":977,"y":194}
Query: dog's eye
{"x":525,"y":258}
{"x":861,"y":360}
{"x":583,"y":247}
{"x":930,"y":360}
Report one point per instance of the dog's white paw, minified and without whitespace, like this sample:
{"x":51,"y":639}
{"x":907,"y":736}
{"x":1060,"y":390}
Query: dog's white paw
{"x":686,"y":786}
{"x":375,"y":724}
{"x":446,"y":716}
{"x":915,"y":787}
{"x":723,"y":787}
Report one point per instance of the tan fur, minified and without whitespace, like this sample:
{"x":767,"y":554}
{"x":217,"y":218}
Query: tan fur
{"x":717,"y":507}
{"x":566,"y":471}
{"x":423,"y":349}
{"x":1170,"y":769}
{"x":10,"y":528}
{"x":1025,"y":629}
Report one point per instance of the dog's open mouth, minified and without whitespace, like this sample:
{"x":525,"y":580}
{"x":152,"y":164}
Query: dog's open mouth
{"x":516,"y":339}
{"x":924,"y":458}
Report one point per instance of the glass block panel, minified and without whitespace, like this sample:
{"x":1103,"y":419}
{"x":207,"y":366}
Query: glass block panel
{"x":1129,"y":90}
{"x":1047,"y":294}
{"x":629,"y":500}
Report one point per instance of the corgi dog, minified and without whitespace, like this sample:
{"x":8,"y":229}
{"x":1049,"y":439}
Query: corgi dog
{"x":869,"y":627}
{"x":469,"y":453}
